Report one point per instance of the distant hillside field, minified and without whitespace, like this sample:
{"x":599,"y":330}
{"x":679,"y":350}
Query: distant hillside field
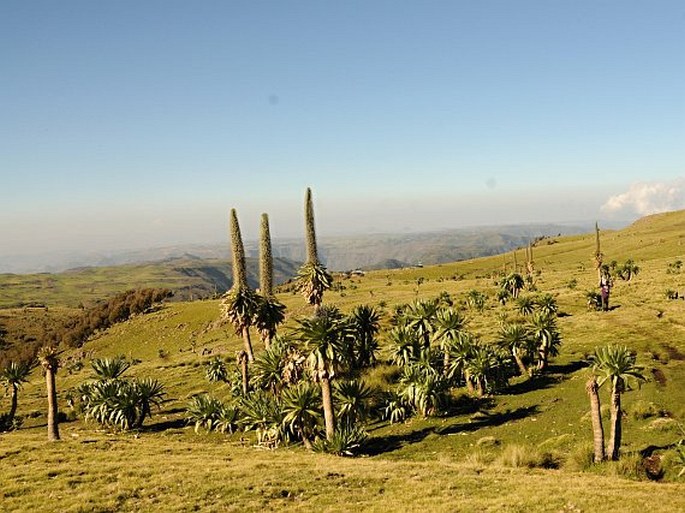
{"x":203,"y":271}
{"x":189,"y":278}
{"x":524,"y":448}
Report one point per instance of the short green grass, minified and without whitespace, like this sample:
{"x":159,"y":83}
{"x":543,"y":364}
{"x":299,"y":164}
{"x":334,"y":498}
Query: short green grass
{"x":105,"y":473}
{"x":475,"y":459}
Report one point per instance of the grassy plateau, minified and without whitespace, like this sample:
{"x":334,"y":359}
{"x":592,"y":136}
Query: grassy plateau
{"x":527,"y":448}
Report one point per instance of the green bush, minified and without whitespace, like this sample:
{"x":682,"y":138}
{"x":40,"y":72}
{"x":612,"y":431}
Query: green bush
{"x":345,"y":442}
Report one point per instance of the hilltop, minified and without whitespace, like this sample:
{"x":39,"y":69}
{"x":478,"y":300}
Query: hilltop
{"x":479,"y":457}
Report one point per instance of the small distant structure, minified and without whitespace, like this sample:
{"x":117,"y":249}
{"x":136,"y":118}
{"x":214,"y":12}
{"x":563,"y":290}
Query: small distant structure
{"x":357,"y":272}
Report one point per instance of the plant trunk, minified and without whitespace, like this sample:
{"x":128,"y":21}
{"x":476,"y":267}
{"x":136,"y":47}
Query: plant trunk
{"x":596,"y":416}
{"x":616,"y":413}
{"x":53,"y":427}
{"x":542,"y":362}
{"x":480,"y":388}
{"x":305,"y":440}
{"x":144,"y":412}
{"x":248,"y":343}
{"x":13,"y":407}
{"x":244,"y":371}
{"x":327,"y":399}
{"x":426,"y":340}
{"x":469,"y":382}
{"x":519,"y":363}
{"x":446,"y":362}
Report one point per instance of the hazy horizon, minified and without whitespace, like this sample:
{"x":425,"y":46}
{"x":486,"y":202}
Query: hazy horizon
{"x":132,"y":124}
{"x":62,"y":260}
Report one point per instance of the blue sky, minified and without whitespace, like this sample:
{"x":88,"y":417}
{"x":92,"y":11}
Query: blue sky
{"x":127,"y":124}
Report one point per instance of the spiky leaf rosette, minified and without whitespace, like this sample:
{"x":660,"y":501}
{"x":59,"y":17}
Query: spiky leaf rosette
{"x":238,"y":307}
{"x":48,"y":356}
{"x":616,"y":364}
{"x":269,"y":315}
{"x":310,"y":232}
{"x":14,"y":374}
{"x":321,"y":340}
{"x":238,"y":253}
{"x":266,"y":263}
{"x":312,"y":280}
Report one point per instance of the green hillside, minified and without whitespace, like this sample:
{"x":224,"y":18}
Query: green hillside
{"x":522,"y":449}
{"x":189,"y":278}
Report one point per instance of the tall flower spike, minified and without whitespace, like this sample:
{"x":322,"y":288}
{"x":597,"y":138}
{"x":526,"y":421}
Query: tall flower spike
{"x":312,"y":253}
{"x":238,"y":252}
{"x":266,"y":262}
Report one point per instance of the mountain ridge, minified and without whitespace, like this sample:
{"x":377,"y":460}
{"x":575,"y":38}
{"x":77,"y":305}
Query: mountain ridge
{"x":339,"y":253}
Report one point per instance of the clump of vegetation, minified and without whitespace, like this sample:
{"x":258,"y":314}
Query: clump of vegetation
{"x":674,"y":267}
{"x":517,"y":456}
{"x":680,"y":458}
{"x":671,"y":294}
{"x":117,"y":402}
{"x":476,"y":300}
{"x":104,"y":314}
{"x":593,"y":300}
{"x":627,"y":270}
{"x":211,"y":414}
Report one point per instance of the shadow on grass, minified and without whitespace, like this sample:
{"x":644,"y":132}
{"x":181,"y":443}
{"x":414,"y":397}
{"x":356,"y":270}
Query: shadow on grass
{"x":389,"y":443}
{"x":567,"y":368}
{"x":651,"y":449}
{"x":489,"y":420}
{"x":553,"y":375}
{"x":164,"y":425}
{"x":383,"y":444}
{"x":466,"y":404}
{"x":534,"y":383}
{"x":171,"y":411}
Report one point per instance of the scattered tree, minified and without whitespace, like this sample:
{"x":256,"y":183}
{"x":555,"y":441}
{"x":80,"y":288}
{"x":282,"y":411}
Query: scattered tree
{"x":12,"y":377}
{"x":596,"y":415}
{"x":270,"y":312}
{"x":546,"y":335}
{"x":516,"y":338}
{"x":628,"y":270}
{"x":48,"y":357}
{"x":240,"y":304}
{"x":616,"y":364}
{"x":322,"y":341}
{"x":364,"y":324}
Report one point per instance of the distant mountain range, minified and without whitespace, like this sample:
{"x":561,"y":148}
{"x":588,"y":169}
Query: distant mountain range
{"x":204,"y":270}
{"x":340,"y":253}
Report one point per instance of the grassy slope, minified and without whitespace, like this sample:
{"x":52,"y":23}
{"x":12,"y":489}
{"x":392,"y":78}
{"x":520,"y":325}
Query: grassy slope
{"x":426,"y":463}
{"x":187,"y":277}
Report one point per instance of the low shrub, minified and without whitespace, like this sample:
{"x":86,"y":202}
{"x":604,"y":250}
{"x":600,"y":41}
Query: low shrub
{"x":580,"y":458}
{"x":517,"y":456}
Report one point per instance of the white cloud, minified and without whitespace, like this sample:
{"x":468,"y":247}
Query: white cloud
{"x":645,"y":198}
